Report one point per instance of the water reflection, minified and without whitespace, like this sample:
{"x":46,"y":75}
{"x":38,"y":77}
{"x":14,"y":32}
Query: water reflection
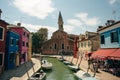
{"x":59,"y":71}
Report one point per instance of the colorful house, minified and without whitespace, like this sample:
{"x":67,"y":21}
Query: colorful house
{"x":110,"y":35}
{"x":12,"y":49}
{"x":23,"y":42}
{"x":3,"y":28}
{"x":30,"y":47}
{"x":88,"y":43}
{"x":109,"y":40}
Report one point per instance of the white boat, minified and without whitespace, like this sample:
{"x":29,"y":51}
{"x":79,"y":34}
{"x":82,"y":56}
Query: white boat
{"x":47,"y":65}
{"x":73,"y":67}
{"x":44,"y":61}
{"x":38,"y":76}
{"x":81,"y":75}
{"x":61,"y":59}
{"x":90,"y":78}
{"x":67,"y":62}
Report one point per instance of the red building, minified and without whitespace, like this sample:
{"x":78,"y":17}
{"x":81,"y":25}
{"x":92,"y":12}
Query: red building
{"x":59,"y":41}
{"x":3,"y":28}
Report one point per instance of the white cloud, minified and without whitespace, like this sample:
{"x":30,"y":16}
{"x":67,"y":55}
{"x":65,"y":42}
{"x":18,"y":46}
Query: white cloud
{"x":74,"y":22}
{"x":37,"y":8}
{"x":81,"y":23}
{"x":69,"y":28}
{"x":86,"y":20}
{"x":35,"y":28}
{"x":112,"y":1}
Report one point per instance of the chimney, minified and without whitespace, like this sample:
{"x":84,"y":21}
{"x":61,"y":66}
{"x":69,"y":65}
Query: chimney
{"x":0,"y":13}
{"x":99,"y":27}
{"x":110,"y":22}
{"x":18,"y":24}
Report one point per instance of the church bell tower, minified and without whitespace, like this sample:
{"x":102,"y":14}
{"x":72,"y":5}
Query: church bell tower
{"x":60,"y":22}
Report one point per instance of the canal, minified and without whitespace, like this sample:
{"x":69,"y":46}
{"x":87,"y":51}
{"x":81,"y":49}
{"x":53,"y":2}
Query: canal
{"x":59,"y":71}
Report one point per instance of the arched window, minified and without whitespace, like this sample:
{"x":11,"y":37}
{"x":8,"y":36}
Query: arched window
{"x":62,"y":45}
{"x":55,"y":46}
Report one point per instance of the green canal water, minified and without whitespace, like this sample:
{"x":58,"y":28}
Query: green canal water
{"x":60,"y":71}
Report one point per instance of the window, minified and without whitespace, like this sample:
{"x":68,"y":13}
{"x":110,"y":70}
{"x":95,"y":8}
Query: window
{"x":11,"y":41}
{"x":84,"y":44}
{"x":26,"y":44}
{"x":114,"y":36}
{"x":23,"y":55}
{"x":12,"y":57}
{"x":1,"y":33}
{"x":81,"y":44}
{"x":67,"y":47}
{"x":102,"y":39}
{"x":23,"y":43}
{"x":24,"y":33}
{"x":17,"y":42}
{"x":55,"y":47}
{"x":28,"y":35}
{"x":89,"y":44}
{"x":62,"y":46}
{"x":1,"y":58}
{"x":50,"y":47}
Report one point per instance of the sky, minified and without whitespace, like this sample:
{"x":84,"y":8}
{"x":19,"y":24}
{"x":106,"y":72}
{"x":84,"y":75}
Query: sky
{"x":78,"y":15}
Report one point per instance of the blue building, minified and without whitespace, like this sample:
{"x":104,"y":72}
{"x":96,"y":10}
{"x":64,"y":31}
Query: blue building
{"x":109,"y":40}
{"x":110,"y":35}
{"x":12,"y":49}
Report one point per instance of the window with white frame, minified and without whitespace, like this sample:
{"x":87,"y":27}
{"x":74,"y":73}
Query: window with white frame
{"x":1,"y":33}
{"x":114,"y":36}
{"x":17,"y":42}
{"x":23,"y":43}
{"x":11,"y":41}
{"x":81,"y":44}
{"x":89,"y":44}
{"x":102,"y":40}
{"x":12,"y":57}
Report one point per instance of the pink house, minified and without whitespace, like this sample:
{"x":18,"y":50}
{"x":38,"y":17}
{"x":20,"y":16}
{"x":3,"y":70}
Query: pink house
{"x":23,"y":43}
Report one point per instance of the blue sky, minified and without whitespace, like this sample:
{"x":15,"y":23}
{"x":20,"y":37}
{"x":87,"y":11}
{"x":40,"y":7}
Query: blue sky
{"x":78,"y":15}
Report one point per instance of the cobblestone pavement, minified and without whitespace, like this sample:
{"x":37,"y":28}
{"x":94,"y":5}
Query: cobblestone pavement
{"x":23,"y":71}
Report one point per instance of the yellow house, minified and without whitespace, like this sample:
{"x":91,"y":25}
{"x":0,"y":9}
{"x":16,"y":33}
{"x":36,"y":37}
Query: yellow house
{"x":30,"y":47}
{"x":88,"y":43}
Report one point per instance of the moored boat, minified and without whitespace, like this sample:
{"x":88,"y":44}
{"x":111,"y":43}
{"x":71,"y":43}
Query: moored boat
{"x":47,"y":65}
{"x":61,"y":59}
{"x":90,"y":78}
{"x":38,"y":76}
{"x":81,"y":75}
{"x":73,"y":67}
{"x":67,"y":62}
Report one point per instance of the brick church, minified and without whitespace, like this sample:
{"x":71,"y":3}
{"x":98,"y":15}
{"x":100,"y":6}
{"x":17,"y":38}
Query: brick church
{"x":60,"y":40}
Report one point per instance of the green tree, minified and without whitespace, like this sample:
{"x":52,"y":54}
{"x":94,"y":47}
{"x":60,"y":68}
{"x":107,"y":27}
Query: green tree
{"x":38,"y":38}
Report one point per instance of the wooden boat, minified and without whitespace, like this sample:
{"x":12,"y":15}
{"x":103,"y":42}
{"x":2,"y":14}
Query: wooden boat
{"x":47,"y":65}
{"x":38,"y":76}
{"x":81,"y":75}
